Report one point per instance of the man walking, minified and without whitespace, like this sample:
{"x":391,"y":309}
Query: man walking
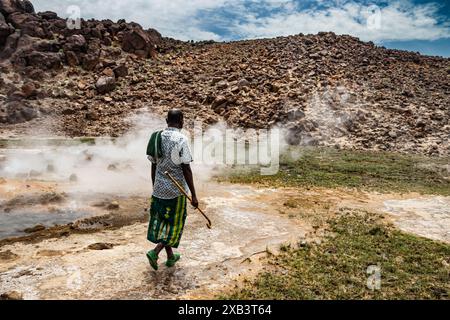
{"x":169,"y":151}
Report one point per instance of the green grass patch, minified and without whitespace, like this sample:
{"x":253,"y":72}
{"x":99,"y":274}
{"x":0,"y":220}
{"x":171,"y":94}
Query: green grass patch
{"x":410,"y":267}
{"x":332,"y":168}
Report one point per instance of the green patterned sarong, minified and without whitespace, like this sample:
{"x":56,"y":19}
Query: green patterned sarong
{"x":167,"y":218}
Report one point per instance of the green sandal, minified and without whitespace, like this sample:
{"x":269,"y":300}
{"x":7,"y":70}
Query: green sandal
{"x":171,"y":262}
{"x":153,"y":259}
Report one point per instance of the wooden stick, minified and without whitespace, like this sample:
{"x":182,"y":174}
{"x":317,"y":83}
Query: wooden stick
{"x":209,"y":224}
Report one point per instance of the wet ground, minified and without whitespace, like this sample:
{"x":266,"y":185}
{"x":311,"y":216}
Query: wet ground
{"x":246,"y":226}
{"x":98,"y":249}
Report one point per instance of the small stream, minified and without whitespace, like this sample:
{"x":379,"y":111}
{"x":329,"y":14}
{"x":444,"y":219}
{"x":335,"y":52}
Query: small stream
{"x":14,"y":224}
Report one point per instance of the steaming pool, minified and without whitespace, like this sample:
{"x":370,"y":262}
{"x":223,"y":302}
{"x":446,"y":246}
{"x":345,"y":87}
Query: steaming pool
{"x":14,"y":224}
{"x":82,"y":170}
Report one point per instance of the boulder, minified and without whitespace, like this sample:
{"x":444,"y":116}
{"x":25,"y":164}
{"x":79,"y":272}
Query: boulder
{"x":20,"y":20}
{"x":18,"y":112}
{"x":5,"y":31}
{"x":28,"y":24}
{"x":120,"y":71}
{"x":8,"y":7}
{"x":105,"y":84}
{"x":89,"y":61}
{"x":218,"y":102}
{"x":72,"y":59}
{"x":76,"y":43}
{"x":44,"y":60}
{"x":10,"y":45}
{"x":108,"y":72}
{"x":29,"y":90}
{"x":48,"y":15}
{"x":137,"y":41}
{"x":155,"y":36}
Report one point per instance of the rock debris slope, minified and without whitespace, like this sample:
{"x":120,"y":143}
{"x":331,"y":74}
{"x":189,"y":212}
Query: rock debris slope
{"x":322,"y":89}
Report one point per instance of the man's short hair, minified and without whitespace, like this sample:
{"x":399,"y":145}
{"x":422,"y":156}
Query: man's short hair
{"x":175,"y":116}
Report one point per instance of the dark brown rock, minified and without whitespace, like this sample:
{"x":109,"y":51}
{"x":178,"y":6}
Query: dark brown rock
{"x":44,"y":60}
{"x":10,"y":45}
{"x":105,"y":84}
{"x":72,"y":59}
{"x":48,"y":15}
{"x":18,"y":112}
{"x":101,"y":246}
{"x":35,"y":229}
{"x":219,"y":101}
{"x":138,"y":42}
{"x":92,"y":115}
{"x":120,"y":71}
{"x":5,"y":31}
{"x":76,"y":43}
{"x":8,"y":7}
{"x":90,"y":61}
{"x":29,"y":90}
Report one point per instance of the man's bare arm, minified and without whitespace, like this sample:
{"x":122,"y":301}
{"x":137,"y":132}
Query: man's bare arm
{"x":187,"y":172}
{"x":153,"y":173}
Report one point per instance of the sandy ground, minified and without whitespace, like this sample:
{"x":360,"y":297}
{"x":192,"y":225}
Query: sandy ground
{"x":245,"y":225}
{"x":248,"y":222}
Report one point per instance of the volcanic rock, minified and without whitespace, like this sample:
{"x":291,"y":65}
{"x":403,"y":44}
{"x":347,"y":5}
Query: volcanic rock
{"x":29,"y":89}
{"x":72,"y":59}
{"x":43,"y":60}
{"x":101,"y":246}
{"x":105,"y":84}
{"x":5,"y":31}
{"x":48,"y":15}
{"x":17,"y":112}
{"x":76,"y":43}
{"x":324,"y":88}
{"x":138,"y":42}
{"x":8,"y":7}
{"x":121,"y":71}
{"x":35,"y":229}
{"x":90,"y":61}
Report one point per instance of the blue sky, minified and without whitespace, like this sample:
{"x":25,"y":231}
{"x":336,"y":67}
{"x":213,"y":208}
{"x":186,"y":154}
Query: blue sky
{"x":415,"y":25}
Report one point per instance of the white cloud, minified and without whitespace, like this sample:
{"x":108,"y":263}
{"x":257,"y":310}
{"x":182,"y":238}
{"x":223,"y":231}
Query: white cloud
{"x":174,"y":18}
{"x":397,"y":21}
{"x":189,"y":19}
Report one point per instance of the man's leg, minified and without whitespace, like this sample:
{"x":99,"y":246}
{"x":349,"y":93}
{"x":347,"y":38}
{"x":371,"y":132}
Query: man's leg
{"x":169,"y":252}
{"x":158,"y":248}
{"x":172,"y":258}
{"x":152,"y":255}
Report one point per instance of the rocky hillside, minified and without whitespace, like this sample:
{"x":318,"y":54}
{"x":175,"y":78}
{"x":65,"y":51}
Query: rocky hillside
{"x":323,"y":89}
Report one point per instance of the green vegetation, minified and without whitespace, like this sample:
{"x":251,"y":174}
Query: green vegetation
{"x":411,"y":267}
{"x":332,"y":168}
{"x":337,"y":268}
